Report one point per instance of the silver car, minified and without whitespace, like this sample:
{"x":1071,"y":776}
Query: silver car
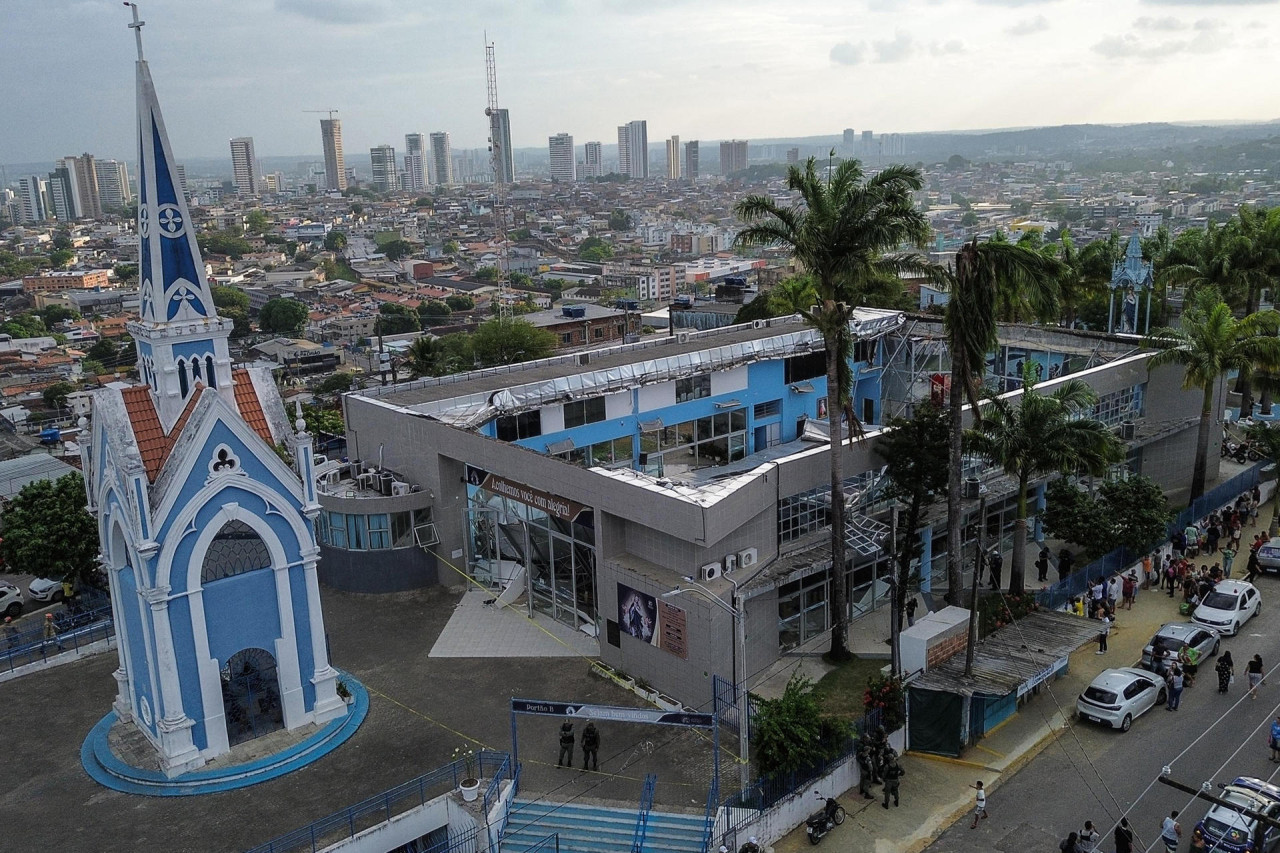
{"x":1269,"y":555}
{"x":1175,"y":635}
{"x":1118,"y":696}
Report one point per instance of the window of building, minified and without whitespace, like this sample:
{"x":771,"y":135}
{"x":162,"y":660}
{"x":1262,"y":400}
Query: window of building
{"x":1122,"y":405}
{"x":523,"y":425}
{"x":865,"y":350}
{"x":581,"y":412}
{"x":373,"y":532}
{"x":614,"y":453}
{"x":598,"y":332}
{"x":767,"y":410}
{"x":693,"y":388}
{"x":566,"y":338}
{"x":798,"y":368}
{"x":714,"y":440}
{"x":236,"y":548}
{"x":379,"y":532}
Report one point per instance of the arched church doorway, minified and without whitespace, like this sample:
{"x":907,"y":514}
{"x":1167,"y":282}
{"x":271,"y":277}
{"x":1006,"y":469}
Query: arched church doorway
{"x":251,"y":695}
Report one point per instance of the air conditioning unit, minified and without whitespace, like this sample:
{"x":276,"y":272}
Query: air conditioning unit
{"x":709,"y":572}
{"x":972,"y":487}
{"x":584,"y":358}
{"x":682,"y":337}
{"x":730,"y":563}
{"x":758,"y":324}
{"x":1127,"y":430}
{"x":748,"y":558}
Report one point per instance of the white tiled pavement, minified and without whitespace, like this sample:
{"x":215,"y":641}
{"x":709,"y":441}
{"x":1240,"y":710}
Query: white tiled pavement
{"x":480,"y":630}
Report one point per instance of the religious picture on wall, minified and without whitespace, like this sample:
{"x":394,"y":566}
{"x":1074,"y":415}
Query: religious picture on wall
{"x":822,"y":408}
{"x":638,"y":614}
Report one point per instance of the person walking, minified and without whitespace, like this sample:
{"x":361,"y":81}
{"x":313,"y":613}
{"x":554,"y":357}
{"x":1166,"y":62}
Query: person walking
{"x":590,"y":746}
{"x":1064,"y":564}
{"x":893,"y":774}
{"x":10,"y":632}
{"x":1254,"y":671}
{"x":566,"y":745}
{"x":1128,"y":590}
{"x":1103,"y":630}
{"x":911,"y":611}
{"x":1171,"y":832}
{"x":1124,"y":836}
{"x":1115,"y":589}
{"x":1273,"y":739}
{"x":1176,"y":683}
{"x":1089,"y":837}
{"x":865,"y":771}
{"x":1228,"y":556}
{"x":995,"y":564}
{"x":1042,"y":565}
{"x":51,"y":631}
{"x":1226,"y":670}
{"x":1252,"y":568}
{"x":979,"y":803}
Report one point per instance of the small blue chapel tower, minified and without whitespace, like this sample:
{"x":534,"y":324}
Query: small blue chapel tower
{"x":1129,"y":278}
{"x":206,"y":530}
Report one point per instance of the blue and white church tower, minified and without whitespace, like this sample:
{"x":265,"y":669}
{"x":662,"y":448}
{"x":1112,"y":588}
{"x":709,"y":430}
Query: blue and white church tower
{"x":206,"y":531}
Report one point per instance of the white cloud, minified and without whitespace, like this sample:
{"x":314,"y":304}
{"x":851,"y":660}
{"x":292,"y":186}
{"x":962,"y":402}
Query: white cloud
{"x":900,"y":48}
{"x":946,"y":48}
{"x":1027,"y":26}
{"x":847,"y":53}
{"x":1210,"y":37}
{"x":1165,"y":24}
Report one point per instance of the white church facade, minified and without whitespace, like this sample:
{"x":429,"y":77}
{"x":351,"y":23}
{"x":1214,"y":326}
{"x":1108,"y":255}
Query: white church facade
{"x":205,"y":500}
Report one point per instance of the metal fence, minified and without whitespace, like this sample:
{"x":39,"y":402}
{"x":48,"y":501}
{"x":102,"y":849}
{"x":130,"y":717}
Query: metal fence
{"x":1075,"y":585}
{"x":368,"y":813}
{"x":642,"y":818}
{"x":549,"y":844}
{"x":73,"y":630}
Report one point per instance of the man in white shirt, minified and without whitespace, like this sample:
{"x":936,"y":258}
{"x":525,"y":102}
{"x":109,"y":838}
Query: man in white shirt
{"x":1170,"y":832}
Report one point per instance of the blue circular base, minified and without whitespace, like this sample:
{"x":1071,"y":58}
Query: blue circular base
{"x":104,"y":768}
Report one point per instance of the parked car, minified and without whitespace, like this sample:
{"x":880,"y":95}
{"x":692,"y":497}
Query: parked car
{"x":11,"y":601}
{"x":1175,"y":635}
{"x":1118,"y":696}
{"x":1228,"y":830}
{"x":1269,"y":555}
{"x":1228,"y":606}
{"x":43,"y":589}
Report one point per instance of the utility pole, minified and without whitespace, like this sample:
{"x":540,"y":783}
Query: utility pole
{"x":973,"y":595}
{"x":497,"y":160}
{"x":895,"y":595}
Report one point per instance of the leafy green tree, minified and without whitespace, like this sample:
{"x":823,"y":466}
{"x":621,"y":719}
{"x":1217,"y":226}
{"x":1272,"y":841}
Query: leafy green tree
{"x":12,"y":266}
{"x":505,"y":340}
{"x":846,"y":233}
{"x":125,"y":273}
{"x":986,"y":277}
{"x":282,"y":316}
{"x":27,"y":325}
{"x":434,"y":312}
{"x":428,"y":356}
{"x":62,"y":241}
{"x":240,"y":326}
{"x":450,"y":247}
{"x":519,"y":279}
{"x":488,"y":274}
{"x":1085,"y":272}
{"x":424,"y":201}
{"x":93,"y":367}
{"x":52,"y":315}
{"x":319,"y":420}
{"x":396,"y":319}
{"x":55,"y":396}
{"x":519,"y":235}
{"x":1266,"y":440}
{"x":396,"y":249}
{"x":620,"y":220}
{"x":914,"y":451}
{"x":335,"y":241}
{"x":51,"y":511}
{"x":103,"y":351}
{"x":1131,"y":512}
{"x":228,"y":243}
{"x":595,"y":249}
{"x":59,"y":258}
{"x":357,"y":209}
{"x":334,"y":384}
{"x":257,"y":221}
{"x":1208,"y":343}
{"x":460,"y":302}
{"x":229,"y":297}
{"x":789,"y":734}
{"x":1073,"y":515}
{"x":969,"y":219}
{"x":1040,"y":434}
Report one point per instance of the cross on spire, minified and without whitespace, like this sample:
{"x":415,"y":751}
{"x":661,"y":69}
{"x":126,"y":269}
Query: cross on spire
{"x":137,"y":26}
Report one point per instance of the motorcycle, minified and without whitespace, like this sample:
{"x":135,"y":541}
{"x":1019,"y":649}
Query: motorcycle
{"x":1241,"y":452}
{"x":825,"y":819}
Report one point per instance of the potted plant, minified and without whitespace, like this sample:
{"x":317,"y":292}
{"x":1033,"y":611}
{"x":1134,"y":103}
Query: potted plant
{"x":470,"y":785}
{"x":344,"y":692}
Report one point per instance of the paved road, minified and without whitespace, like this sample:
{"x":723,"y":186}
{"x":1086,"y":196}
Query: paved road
{"x":1092,"y":773}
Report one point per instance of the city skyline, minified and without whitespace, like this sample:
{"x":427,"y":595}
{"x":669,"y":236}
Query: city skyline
{"x":884,"y":66}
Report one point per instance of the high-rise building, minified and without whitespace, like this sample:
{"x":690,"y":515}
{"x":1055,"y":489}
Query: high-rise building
{"x":691,"y":160}
{"x":61,"y":194}
{"x":244,"y":166}
{"x":633,"y":149}
{"x":335,"y":167}
{"x":31,"y":189}
{"x":850,"y":137}
{"x":182,"y":182}
{"x":793,"y":155}
{"x":593,"y":160}
{"x":673,"y":159}
{"x":113,"y":184}
{"x":733,"y":156}
{"x":867,"y":139}
{"x":385,"y":175}
{"x":441,"y":159}
{"x":563,"y":165}
{"x":84,"y":179}
{"x":504,"y":168}
{"x":415,"y":162}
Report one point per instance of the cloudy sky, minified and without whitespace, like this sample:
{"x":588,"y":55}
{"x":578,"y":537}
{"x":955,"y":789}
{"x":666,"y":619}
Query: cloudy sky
{"x":706,"y":69}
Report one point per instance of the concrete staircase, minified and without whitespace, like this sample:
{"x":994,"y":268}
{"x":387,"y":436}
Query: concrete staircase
{"x":598,"y":829}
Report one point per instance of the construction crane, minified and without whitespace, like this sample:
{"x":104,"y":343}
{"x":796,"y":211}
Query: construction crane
{"x":496,"y":160}
{"x":330,"y":112}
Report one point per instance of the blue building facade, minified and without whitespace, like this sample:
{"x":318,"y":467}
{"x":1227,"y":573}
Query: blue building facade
{"x":207,"y":532}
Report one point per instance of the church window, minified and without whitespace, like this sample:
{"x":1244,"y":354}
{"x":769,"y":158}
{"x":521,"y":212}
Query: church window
{"x":195,"y":368}
{"x":236,"y":549}
{"x":208,"y":373}
{"x":182,"y":378}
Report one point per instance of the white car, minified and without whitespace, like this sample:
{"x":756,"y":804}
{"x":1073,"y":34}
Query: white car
{"x":1118,"y":696}
{"x":1228,"y":606}
{"x":10,"y":600}
{"x":43,"y":589}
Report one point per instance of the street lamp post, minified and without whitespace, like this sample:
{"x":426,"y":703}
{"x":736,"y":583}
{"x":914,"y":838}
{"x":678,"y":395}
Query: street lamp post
{"x":735,"y":610}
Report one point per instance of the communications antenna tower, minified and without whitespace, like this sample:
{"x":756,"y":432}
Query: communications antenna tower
{"x":497,"y":158}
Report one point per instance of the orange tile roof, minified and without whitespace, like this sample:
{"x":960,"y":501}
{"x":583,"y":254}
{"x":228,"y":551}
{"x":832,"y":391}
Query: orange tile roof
{"x":250,"y":406}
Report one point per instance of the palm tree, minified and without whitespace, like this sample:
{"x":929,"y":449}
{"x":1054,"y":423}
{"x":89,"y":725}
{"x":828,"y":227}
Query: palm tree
{"x":845,"y":230}
{"x":986,"y":275}
{"x":1040,"y":434}
{"x":1209,"y":342}
{"x":428,"y":356}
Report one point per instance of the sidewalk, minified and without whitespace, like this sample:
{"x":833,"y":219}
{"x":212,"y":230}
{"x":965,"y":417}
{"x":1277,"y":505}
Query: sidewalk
{"x":935,"y":790}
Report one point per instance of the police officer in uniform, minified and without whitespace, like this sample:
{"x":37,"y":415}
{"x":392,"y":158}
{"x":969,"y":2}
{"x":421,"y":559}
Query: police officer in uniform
{"x":566,"y":745}
{"x":590,"y":746}
{"x":893,"y":774}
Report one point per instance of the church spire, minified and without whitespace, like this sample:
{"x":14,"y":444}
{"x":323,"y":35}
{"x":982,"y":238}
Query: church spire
{"x":181,"y":339}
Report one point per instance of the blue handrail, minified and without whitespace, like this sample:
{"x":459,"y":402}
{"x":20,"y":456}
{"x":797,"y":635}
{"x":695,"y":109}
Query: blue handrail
{"x":19,"y":647}
{"x":642,"y":819}
{"x":709,"y":818}
{"x":546,"y":844}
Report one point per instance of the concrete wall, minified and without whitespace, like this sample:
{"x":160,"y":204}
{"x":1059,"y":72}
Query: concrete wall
{"x":392,"y":570}
{"x":413,"y":824}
